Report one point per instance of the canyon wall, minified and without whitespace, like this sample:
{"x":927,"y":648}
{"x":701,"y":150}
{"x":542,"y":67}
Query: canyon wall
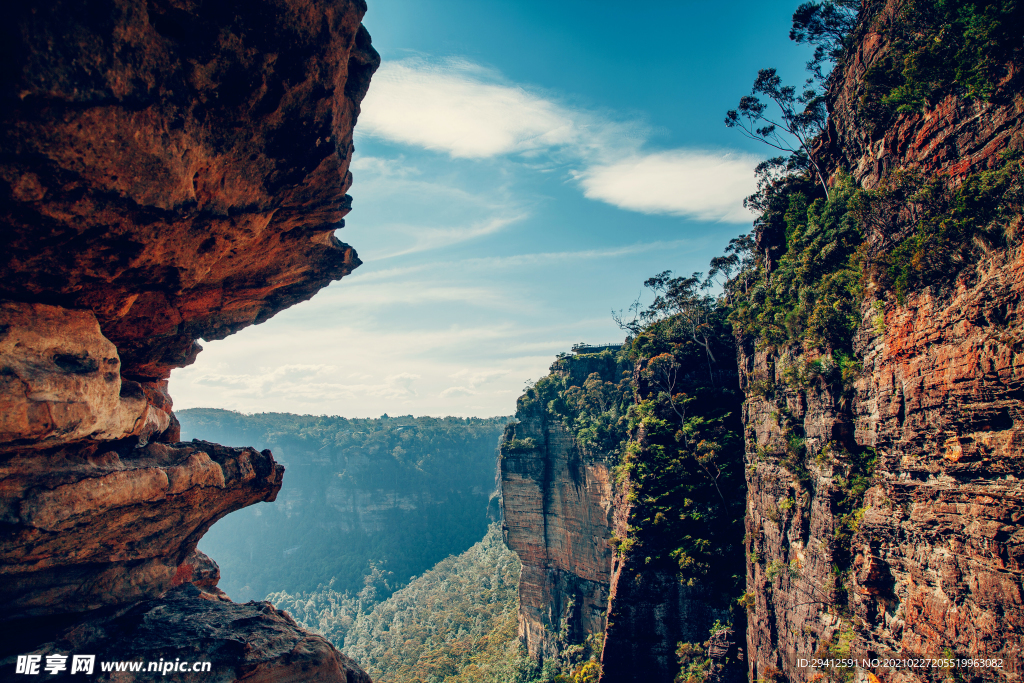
{"x":169,"y":171}
{"x":589,"y":475}
{"x":557,"y":507}
{"x":928,"y":562}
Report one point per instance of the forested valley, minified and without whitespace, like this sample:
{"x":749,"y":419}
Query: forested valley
{"x":385,"y":498}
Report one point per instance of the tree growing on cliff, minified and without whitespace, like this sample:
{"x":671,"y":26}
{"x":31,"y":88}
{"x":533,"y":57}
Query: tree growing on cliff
{"x":687,"y":309}
{"x":791,"y":121}
{"x":790,"y":126}
{"x":827,"y":26}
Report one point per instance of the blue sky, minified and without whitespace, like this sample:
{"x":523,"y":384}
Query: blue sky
{"x":521,"y":168}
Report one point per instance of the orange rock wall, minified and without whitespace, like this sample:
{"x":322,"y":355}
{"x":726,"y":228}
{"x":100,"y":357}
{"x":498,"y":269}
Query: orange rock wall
{"x":936,"y":561}
{"x":557,"y":506}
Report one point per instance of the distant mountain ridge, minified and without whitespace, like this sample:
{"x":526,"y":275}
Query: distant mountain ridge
{"x":401,"y":493}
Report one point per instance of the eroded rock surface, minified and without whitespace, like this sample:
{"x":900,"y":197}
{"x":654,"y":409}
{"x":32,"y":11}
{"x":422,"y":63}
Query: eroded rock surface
{"x":933,"y":565}
{"x":61,"y":382}
{"x":89,"y":526}
{"x":557,"y":507}
{"x":175,"y":168}
{"x":940,"y":552}
{"x":169,"y":171}
{"x":251,"y":642}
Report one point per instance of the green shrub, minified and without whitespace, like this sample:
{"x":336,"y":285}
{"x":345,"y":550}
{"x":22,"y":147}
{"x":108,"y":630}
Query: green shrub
{"x":942,"y":47}
{"x":812,"y":293}
{"x":954,"y":226}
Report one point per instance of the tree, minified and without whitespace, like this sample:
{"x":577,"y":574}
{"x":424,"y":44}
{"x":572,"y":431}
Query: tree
{"x":681,"y":299}
{"x":825,"y":25}
{"x":798,"y":118}
{"x":740,"y":256}
{"x":696,"y":434}
{"x":792,"y":128}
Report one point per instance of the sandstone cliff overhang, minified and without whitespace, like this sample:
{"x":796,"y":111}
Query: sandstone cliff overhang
{"x":170,"y":171}
{"x":177,"y":168}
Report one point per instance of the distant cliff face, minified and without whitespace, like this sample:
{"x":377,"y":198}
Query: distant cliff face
{"x":557,"y":516}
{"x":402,"y":493}
{"x":168,"y":172}
{"x":618,"y":527}
{"x":898,"y":531}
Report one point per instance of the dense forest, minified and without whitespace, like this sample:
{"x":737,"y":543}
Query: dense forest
{"x":456,"y":622}
{"x":361,"y":498}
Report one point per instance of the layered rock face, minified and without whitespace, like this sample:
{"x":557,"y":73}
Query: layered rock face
{"x":933,"y":567}
{"x":940,"y":552}
{"x":792,"y":555}
{"x":557,"y":516}
{"x":953,"y":137}
{"x":169,"y":171}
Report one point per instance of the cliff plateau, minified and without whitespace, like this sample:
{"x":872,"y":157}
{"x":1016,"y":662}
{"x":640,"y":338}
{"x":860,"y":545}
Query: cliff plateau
{"x":169,"y":171}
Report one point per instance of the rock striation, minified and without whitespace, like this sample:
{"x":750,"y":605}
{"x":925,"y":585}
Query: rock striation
{"x":557,"y":517}
{"x":939,"y":556}
{"x":953,"y":137}
{"x":933,"y":566}
{"x":169,"y":171}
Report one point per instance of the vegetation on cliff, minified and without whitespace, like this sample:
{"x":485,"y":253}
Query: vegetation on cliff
{"x":943,"y":47}
{"x":683,"y":464}
{"x":455,"y":623}
{"x":397,"y":494}
{"x":824,"y":270}
{"x":665,"y":412}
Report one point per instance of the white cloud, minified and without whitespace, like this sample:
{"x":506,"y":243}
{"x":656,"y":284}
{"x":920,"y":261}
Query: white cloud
{"x":456,"y":107}
{"x":703,"y":185}
{"x":426,"y":238}
{"x":365,"y":371}
{"x":467,"y":111}
{"x":455,"y":392}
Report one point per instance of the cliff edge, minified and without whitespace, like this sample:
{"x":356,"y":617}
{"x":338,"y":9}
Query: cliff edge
{"x":169,"y":171}
{"x":883,"y":469}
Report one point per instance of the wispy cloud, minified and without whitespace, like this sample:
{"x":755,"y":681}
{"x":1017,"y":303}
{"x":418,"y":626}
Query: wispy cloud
{"x":491,"y":263}
{"x":703,"y":185}
{"x":426,"y":238}
{"x":459,"y":108}
{"x":416,"y":210}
